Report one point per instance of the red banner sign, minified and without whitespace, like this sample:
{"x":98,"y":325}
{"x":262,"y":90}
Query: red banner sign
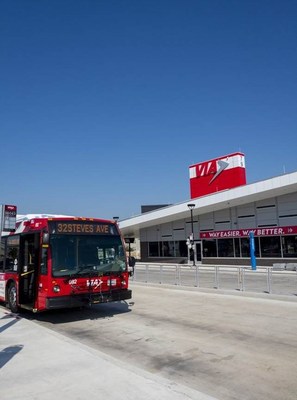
{"x":236,"y":233}
{"x":9,"y":214}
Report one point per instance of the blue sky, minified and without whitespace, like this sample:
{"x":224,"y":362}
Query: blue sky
{"x":105,"y":104}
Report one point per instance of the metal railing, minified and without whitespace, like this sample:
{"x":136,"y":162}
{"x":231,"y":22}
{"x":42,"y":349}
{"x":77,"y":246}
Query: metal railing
{"x":225,"y":277}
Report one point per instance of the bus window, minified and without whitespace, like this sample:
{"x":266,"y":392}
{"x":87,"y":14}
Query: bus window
{"x":12,"y":253}
{"x":2,"y":254}
{"x":75,"y":254}
{"x":43,"y":265}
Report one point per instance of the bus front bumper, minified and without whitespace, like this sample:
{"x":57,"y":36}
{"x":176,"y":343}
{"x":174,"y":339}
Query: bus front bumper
{"x":83,"y":299}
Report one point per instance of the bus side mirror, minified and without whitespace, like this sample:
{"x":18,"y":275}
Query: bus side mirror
{"x":45,"y":238}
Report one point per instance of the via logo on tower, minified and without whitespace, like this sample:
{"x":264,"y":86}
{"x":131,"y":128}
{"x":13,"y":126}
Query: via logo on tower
{"x":218,"y":174}
{"x":221,"y":166}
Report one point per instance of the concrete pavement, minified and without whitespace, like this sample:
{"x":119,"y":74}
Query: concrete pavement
{"x":39,"y":364}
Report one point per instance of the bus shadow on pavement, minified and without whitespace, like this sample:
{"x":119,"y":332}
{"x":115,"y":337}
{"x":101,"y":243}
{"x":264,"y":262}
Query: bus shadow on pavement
{"x":13,"y":319}
{"x":8,"y":353}
{"x":93,"y":312}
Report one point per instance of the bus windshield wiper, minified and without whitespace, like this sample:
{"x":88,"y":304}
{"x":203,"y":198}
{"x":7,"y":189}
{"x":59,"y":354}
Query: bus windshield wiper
{"x":87,"y":268}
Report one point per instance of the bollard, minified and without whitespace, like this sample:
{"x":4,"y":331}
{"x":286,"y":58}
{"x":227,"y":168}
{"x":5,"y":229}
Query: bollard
{"x":134,"y":274}
{"x":241,"y":278}
{"x":216,"y":285}
{"x":269,"y":280}
{"x":176,"y":275}
{"x":161,"y":274}
{"x":196,"y":276}
{"x":179,"y":274}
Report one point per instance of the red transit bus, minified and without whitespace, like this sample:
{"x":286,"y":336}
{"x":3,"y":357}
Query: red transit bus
{"x":53,"y":262}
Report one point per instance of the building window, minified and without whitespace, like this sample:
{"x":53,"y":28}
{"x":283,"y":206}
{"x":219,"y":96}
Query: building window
{"x":183,"y":248}
{"x":245,"y":247}
{"x":237,"y":248}
{"x":270,"y":246}
{"x":209,"y":248}
{"x":225,"y":248}
{"x":168,"y":249}
{"x":289,"y":244}
{"x":153,"y":248}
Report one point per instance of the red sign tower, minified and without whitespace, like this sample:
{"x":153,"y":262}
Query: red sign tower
{"x":220,"y":173}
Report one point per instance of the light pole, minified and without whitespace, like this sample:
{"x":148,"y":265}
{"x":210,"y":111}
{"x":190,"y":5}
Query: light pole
{"x":191,"y":208}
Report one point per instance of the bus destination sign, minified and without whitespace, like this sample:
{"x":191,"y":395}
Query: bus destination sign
{"x":81,"y":228}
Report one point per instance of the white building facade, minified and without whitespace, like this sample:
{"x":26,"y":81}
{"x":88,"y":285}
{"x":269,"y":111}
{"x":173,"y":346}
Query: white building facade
{"x":222,"y":225}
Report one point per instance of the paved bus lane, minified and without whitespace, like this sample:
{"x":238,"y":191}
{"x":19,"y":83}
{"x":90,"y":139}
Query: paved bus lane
{"x":231,"y":347}
{"x":38,"y":363}
{"x":225,"y":346}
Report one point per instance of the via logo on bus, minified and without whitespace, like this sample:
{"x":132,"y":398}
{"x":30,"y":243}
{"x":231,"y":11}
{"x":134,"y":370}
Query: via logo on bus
{"x":94,"y":283}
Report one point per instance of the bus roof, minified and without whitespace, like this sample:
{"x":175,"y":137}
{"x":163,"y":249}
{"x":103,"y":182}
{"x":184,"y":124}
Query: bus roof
{"x":27,"y":217}
{"x":22,"y":221}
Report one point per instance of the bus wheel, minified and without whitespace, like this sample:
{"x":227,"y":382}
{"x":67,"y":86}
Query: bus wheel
{"x":12,"y":298}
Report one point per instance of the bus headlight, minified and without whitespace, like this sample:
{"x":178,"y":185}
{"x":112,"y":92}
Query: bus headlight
{"x":56,"y":288}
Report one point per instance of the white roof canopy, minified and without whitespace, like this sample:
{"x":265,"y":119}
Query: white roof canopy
{"x":262,"y":190}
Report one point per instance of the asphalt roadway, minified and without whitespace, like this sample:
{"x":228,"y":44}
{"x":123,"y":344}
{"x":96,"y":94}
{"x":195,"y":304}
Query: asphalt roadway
{"x":37,"y":363}
{"x":173,"y":343}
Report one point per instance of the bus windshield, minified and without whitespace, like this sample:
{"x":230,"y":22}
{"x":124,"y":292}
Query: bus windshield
{"x":86,"y":255}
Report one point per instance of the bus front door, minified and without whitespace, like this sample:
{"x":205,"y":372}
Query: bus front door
{"x":28,"y":269}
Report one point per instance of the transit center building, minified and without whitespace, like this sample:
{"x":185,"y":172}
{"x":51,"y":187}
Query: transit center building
{"x":216,"y":224}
